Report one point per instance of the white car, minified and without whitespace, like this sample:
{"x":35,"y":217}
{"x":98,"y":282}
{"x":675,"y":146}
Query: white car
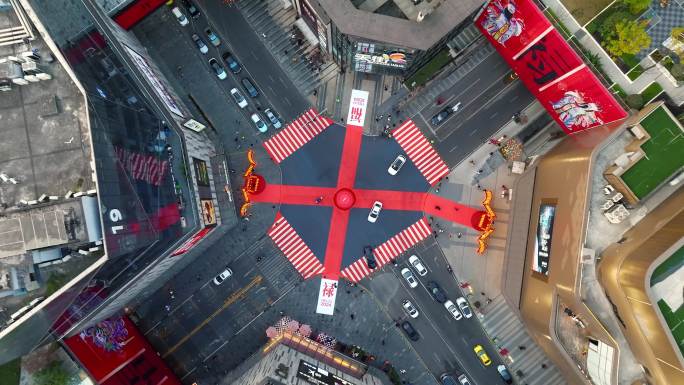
{"x":453,"y":310}
{"x":410,"y":309}
{"x":259,"y":123}
{"x":180,"y":16}
{"x":375,"y":212}
{"x":218,"y":70}
{"x":274,"y":119}
{"x":225,"y":274}
{"x":396,"y":165}
{"x":239,"y":99}
{"x":418,"y":265}
{"x":463,"y":305}
{"x":408,"y":276}
{"x":200,"y":43}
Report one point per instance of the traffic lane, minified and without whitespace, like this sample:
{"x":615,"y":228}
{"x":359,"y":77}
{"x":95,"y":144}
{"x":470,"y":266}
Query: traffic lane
{"x":245,"y":45}
{"x":480,"y":127}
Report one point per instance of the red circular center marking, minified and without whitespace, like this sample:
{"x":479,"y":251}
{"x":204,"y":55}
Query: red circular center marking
{"x":344,"y":199}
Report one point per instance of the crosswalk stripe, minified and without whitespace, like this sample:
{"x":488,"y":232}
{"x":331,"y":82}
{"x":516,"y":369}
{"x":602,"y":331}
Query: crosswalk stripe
{"x":296,"y":134}
{"x":420,"y":151}
{"x":295,"y":249}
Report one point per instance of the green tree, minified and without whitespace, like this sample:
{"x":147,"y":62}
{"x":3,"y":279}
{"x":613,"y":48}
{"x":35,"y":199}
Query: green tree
{"x":637,"y":6}
{"x":53,"y":374}
{"x":608,"y":26}
{"x":629,"y":37}
{"x":635,"y":101}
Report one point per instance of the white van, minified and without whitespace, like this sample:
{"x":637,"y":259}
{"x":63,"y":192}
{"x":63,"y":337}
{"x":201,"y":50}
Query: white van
{"x":180,"y":16}
{"x":17,"y":314}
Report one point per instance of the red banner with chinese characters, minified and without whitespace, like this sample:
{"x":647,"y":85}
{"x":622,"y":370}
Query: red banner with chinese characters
{"x":547,"y":65}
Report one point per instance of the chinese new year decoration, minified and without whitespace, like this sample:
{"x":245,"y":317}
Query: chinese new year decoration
{"x":485,"y":223}
{"x":252,"y":183}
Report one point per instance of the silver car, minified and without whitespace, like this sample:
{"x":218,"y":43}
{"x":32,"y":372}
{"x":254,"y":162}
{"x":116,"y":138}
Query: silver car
{"x":396,"y":165}
{"x":273,"y":118}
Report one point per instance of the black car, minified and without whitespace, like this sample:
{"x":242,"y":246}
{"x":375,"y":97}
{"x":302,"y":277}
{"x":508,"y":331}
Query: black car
{"x":249,"y":87}
{"x":436,"y":291}
{"x":192,"y":9}
{"x":232,"y":63}
{"x":505,"y":375}
{"x":410,"y":331}
{"x":441,"y":117}
{"x":370,"y":258}
{"x":447,"y":379}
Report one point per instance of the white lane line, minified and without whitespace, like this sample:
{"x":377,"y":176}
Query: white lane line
{"x":169,"y":314}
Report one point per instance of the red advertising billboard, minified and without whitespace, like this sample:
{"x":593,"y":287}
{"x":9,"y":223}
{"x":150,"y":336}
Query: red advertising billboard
{"x":547,"y":65}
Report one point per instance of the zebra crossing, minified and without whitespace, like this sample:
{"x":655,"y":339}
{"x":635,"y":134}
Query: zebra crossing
{"x":421,"y":152}
{"x":508,"y":330}
{"x":296,"y":134}
{"x":294,"y":248}
{"x":389,"y":250}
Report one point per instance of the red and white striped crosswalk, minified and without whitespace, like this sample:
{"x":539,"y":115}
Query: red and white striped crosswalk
{"x":296,"y":134}
{"x":421,"y":152}
{"x":294,"y":248}
{"x":389,"y":250}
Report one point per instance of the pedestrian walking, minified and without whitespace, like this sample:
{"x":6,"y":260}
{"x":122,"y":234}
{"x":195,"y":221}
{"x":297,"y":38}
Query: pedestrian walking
{"x":522,"y":347}
{"x":263,"y":35}
{"x":459,"y":235}
{"x":438,"y":208}
{"x":471,"y":162}
{"x":402,"y":371}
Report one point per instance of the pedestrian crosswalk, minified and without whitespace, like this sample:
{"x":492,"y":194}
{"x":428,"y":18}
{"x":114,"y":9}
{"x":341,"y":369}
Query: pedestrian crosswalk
{"x":421,"y":152}
{"x":389,"y":250}
{"x":296,"y":134}
{"x":294,"y":248}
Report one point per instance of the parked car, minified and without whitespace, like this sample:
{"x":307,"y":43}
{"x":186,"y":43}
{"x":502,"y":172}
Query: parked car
{"x":396,"y":164}
{"x":218,"y":70}
{"x":192,"y":9}
{"x":453,"y":310}
{"x":410,"y":331}
{"x":418,"y":265}
{"x":482,"y":355}
{"x":463,"y":306}
{"x":200,"y":43}
{"x":505,"y":375}
{"x":375,"y":212}
{"x":259,"y":123}
{"x":408,"y":276}
{"x":232,"y":63}
{"x":213,"y":39}
{"x":463,"y":380}
{"x":410,"y":309}
{"x":179,"y":16}
{"x":447,"y":379}
{"x":273,"y":118}
{"x":239,"y":99}
{"x":225,"y":274}
{"x":436,"y":292}
{"x":249,"y":87}
{"x":370,"y":258}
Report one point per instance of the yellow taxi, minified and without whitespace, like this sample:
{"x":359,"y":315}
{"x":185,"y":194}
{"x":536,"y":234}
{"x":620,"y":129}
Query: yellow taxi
{"x":482,"y":355}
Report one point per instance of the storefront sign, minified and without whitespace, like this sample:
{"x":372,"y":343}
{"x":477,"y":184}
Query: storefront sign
{"x":208,"y":212}
{"x":357,"y":108}
{"x":394,"y":59}
{"x":194,"y":125}
{"x":317,"y":376}
{"x":185,"y":247}
{"x":201,"y":172}
{"x":326,"y":297}
{"x":542,"y":244}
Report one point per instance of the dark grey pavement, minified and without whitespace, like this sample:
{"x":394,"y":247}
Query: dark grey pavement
{"x":316,"y":163}
{"x":377,"y":153}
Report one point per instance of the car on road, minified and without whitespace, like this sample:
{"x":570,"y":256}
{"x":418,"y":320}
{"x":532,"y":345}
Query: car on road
{"x":200,"y":43}
{"x":463,"y":306}
{"x":436,"y":292}
{"x":408,"y":276}
{"x":239,"y":99}
{"x":375,"y":212}
{"x":213,"y":39}
{"x":410,"y":309}
{"x":440,"y":117}
{"x":453,"y":310}
{"x":192,"y":9}
{"x":396,"y":164}
{"x":370,"y":258}
{"x":179,"y":16}
{"x":410,"y":331}
{"x":447,"y":379}
{"x":463,"y":380}
{"x":418,"y":265}
{"x":505,"y":375}
{"x":482,"y":355}
{"x":225,"y":274}
{"x":273,"y":118}
{"x":249,"y":87}
{"x":231,"y":62}
{"x":218,"y":70}
{"x":259,"y":123}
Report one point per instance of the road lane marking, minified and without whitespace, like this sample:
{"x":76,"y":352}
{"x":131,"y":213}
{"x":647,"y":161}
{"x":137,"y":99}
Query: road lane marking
{"x":229,"y":301}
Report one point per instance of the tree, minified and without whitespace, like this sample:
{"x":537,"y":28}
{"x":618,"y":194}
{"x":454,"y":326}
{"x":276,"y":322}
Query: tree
{"x":637,"y":6}
{"x":53,"y":374}
{"x":635,"y":101}
{"x":677,"y":71}
{"x":629,"y":37}
{"x":607,"y":27}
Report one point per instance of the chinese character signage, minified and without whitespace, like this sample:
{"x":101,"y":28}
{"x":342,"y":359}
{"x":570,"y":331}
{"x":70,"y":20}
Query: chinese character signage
{"x":357,"y":108}
{"x":318,"y":376}
{"x":326,"y":297}
{"x":542,"y":243}
{"x":547,"y":65}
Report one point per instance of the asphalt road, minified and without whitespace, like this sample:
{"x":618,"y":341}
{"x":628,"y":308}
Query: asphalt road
{"x":446,"y":344}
